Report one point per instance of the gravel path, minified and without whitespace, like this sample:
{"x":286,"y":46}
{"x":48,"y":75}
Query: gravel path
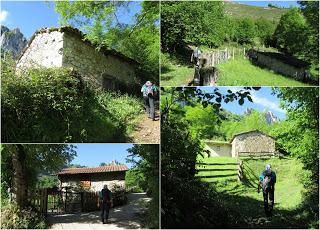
{"x":123,"y":217}
{"x":148,"y":131}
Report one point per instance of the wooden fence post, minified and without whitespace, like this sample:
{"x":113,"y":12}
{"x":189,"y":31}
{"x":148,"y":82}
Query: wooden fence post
{"x":244,"y":52}
{"x":232,"y":53}
{"x":240,"y":170}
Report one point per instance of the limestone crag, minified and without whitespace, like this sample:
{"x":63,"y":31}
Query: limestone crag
{"x":12,"y":41}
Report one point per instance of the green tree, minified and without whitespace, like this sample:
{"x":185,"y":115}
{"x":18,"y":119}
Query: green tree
{"x":290,"y":33}
{"x":99,"y":20}
{"x":245,"y":31}
{"x":265,"y":29}
{"x":21,"y":165}
{"x":188,"y":23}
{"x":310,"y":9}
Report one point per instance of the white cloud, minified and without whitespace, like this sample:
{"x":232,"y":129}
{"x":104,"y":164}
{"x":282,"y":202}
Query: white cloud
{"x":267,"y":103}
{"x":3,"y":15}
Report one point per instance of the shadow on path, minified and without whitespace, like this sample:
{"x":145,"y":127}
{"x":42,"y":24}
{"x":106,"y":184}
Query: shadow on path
{"x":129,"y":216}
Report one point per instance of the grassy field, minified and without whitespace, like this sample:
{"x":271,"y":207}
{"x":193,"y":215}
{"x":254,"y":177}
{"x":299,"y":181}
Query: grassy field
{"x":254,"y":12}
{"x":242,"y":72}
{"x":221,"y":172}
{"x":177,"y":75}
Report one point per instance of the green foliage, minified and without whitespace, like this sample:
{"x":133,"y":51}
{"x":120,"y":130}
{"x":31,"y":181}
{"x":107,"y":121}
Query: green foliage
{"x":99,"y":21}
{"x":202,"y":121}
{"x":14,"y":218}
{"x":135,"y":180}
{"x":245,"y":31}
{"x":123,"y":108}
{"x":39,"y":158}
{"x":187,"y":23}
{"x":265,"y":30}
{"x":254,"y":121}
{"x":299,"y":134}
{"x":47,"y":181}
{"x":290,"y":32}
{"x":243,"y":199}
{"x":146,"y":166}
{"x":53,"y":105}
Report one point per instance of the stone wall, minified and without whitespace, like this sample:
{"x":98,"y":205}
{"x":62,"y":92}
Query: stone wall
{"x":279,"y":65}
{"x":94,"y":66}
{"x":45,"y":50}
{"x":252,"y":143}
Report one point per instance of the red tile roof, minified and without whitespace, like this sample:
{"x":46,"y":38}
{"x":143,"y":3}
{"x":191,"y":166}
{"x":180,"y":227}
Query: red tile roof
{"x":109,"y":168}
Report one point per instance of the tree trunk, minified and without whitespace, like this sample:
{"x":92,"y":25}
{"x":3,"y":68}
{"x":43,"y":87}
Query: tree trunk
{"x":19,"y":185}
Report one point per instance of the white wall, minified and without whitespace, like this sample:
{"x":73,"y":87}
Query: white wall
{"x":218,"y":150}
{"x":45,"y":50}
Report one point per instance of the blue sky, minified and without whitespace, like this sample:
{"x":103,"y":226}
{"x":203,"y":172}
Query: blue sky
{"x":285,"y":4}
{"x":262,"y":100}
{"x":92,"y":155}
{"x":29,"y":16}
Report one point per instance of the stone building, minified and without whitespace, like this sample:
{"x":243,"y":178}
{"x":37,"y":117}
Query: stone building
{"x":67,"y":47}
{"x":246,"y":143}
{"x":252,"y":142}
{"x":280,"y":63}
{"x":93,"y":179}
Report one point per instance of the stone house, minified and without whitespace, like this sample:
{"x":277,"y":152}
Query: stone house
{"x":67,"y":47}
{"x":253,"y":142}
{"x":93,"y":179}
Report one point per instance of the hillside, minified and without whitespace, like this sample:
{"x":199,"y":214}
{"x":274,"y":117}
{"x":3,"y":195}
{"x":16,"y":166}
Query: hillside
{"x":241,"y":10}
{"x":243,"y":198}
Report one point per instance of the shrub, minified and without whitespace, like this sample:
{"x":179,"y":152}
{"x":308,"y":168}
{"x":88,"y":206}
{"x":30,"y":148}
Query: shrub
{"x":14,"y":218}
{"x":53,"y":105}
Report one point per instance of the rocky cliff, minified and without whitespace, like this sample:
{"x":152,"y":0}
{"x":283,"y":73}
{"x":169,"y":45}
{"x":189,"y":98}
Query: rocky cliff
{"x":12,"y":41}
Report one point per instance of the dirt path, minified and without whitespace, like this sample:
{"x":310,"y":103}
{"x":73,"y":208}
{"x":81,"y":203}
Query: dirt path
{"x":148,"y":131}
{"x":129,"y":216}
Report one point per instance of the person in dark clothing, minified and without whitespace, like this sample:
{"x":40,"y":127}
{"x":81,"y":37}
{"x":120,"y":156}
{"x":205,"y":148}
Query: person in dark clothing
{"x":105,"y":203}
{"x":267,"y":181}
{"x":149,"y":90}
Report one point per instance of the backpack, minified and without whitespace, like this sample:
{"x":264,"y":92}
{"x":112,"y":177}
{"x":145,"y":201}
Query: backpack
{"x":149,"y":90}
{"x":267,"y":181}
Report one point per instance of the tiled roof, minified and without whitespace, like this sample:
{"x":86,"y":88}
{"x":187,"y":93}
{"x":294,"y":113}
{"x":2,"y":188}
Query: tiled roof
{"x":109,"y":168}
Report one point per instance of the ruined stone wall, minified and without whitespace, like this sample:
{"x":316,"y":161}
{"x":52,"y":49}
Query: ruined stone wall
{"x":45,"y":50}
{"x":93,"y":65}
{"x":253,"y":142}
{"x":280,"y":67}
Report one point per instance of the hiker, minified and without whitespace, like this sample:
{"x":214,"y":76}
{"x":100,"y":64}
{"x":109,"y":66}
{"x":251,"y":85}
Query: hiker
{"x":105,"y":203}
{"x":195,"y":56}
{"x":149,"y":90}
{"x":267,"y":182}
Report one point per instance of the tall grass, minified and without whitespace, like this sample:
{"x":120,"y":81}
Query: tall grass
{"x":241,"y":72}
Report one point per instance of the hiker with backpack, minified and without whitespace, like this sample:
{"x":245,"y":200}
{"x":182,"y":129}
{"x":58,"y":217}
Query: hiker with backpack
{"x":149,"y":91}
{"x":105,"y":203}
{"x":267,"y":182}
{"x":195,"y":56}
